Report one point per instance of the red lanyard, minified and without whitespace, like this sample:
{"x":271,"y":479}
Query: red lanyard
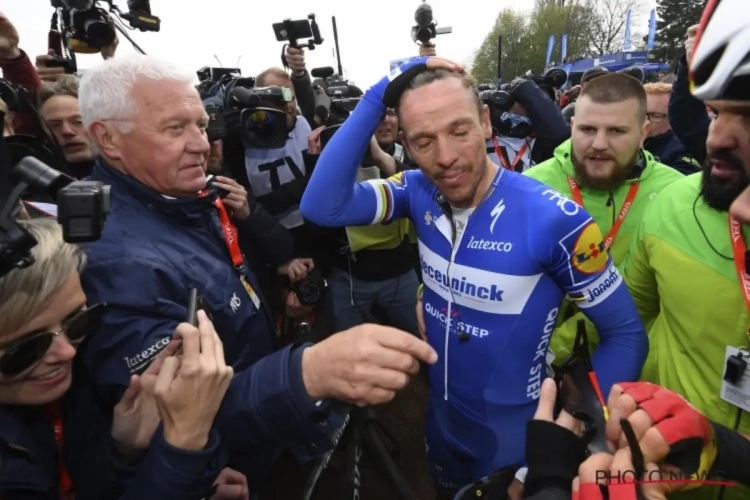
{"x":739,"y":249}
{"x":229,"y":231}
{"x":65,"y":485}
{"x":501,"y":156}
{"x":623,"y":211}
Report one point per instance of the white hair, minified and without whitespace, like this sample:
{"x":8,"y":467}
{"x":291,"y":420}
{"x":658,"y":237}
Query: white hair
{"x":105,"y":91}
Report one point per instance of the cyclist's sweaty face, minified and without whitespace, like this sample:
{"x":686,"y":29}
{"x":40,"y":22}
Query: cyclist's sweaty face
{"x":444,"y":133}
{"x":726,"y":173}
{"x":606,"y":140}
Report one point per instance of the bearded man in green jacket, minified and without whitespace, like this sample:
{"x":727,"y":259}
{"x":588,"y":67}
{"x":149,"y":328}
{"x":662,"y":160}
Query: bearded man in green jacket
{"x":604,"y":168}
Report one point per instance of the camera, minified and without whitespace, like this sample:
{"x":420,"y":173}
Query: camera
{"x":91,"y":27}
{"x":426,"y":28}
{"x":15,"y":96}
{"x":261,"y":124}
{"x":292,"y":31}
{"x":82,"y":208}
{"x":311,"y":290}
{"x":335,"y":102}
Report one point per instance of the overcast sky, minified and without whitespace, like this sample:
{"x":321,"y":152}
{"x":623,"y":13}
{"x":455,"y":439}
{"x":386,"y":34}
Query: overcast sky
{"x":371,"y":32}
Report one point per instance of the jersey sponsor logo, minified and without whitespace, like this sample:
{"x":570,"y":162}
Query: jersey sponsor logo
{"x":442,"y":316}
{"x":534,"y":384}
{"x":477,"y":289}
{"x":141,"y":360}
{"x":397,"y":178}
{"x":428,"y":218}
{"x":496,"y":213}
{"x":598,"y":290}
{"x":566,"y":205}
{"x":495,"y":246}
{"x":589,"y":254}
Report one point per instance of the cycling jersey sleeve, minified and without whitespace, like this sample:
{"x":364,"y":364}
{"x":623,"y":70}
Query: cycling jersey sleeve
{"x":333,"y":198}
{"x":583,"y":268}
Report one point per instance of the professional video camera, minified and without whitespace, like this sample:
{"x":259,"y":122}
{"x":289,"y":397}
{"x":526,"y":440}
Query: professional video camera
{"x":426,"y":28}
{"x":82,"y":207}
{"x":87,"y":27}
{"x":293,"y":31}
{"x":15,"y":96}
{"x":337,"y":101}
{"x":500,"y":99}
{"x":261,"y":124}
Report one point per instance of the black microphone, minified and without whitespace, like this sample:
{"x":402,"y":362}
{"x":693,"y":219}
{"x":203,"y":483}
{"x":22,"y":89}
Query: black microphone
{"x":324,"y":72}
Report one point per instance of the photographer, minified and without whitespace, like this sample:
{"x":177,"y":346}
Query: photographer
{"x":528,"y":132}
{"x":277,"y":177}
{"x":17,"y":68}
{"x":46,"y":394}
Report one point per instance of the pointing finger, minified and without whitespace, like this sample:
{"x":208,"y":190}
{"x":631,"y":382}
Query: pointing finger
{"x":405,"y":342}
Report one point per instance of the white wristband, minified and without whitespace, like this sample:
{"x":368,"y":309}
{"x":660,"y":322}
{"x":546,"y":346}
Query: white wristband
{"x":521,"y":474}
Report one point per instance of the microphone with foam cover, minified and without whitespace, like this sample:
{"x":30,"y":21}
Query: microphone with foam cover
{"x":324,"y":72}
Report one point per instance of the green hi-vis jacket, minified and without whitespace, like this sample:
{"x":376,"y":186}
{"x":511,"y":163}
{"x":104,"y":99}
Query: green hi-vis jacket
{"x":681,"y":273}
{"x":604,"y":207}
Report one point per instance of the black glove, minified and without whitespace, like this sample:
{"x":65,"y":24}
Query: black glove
{"x":553,"y":454}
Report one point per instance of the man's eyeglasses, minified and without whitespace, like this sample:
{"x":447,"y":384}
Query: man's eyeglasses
{"x":655,"y":117}
{"x":24,"y":352}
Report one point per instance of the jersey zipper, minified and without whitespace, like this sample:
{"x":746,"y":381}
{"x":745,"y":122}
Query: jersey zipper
{"x":455,"y":245}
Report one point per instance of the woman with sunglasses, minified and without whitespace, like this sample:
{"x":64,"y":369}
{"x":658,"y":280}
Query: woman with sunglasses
{"x":55,"y":442}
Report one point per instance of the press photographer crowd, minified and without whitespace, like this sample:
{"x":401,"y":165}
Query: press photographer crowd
{"x":205,"y":273}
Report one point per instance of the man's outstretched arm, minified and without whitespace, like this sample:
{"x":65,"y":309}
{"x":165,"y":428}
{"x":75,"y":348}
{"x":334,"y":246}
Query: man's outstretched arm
{"x":584,"y":269}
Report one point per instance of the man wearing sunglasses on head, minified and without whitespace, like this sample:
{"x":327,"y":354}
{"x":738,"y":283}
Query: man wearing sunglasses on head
{"x":55,"y":443}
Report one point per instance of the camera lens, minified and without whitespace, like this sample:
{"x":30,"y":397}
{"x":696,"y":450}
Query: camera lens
{"x":99,"y":32}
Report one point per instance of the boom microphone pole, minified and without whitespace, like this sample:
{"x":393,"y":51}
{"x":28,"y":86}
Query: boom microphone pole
{"x":336,"y":41}
{"x":499,"y":59}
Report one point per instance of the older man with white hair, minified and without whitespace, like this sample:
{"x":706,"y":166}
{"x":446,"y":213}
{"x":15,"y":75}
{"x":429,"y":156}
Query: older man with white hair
{"x":167,"y":234}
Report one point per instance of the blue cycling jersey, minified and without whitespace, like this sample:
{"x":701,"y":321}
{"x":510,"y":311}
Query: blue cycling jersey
{"x":499,"y":283}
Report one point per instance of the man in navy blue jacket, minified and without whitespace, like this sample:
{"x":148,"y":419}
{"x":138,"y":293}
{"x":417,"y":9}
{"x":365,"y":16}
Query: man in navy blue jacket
{"x":163,"y":238}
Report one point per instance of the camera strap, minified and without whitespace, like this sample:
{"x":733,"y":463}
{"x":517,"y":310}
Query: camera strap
{"x":504,"y":160}
{"x":740,"y":263}
{"x":576,"y":192}
{"x":231,"y":239}
{"x":64,"y":484}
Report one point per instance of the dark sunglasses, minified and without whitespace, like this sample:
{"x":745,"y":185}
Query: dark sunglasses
{"x":24,"y":352}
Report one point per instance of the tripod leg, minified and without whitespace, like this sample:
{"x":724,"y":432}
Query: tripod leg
{"x":379,"y":454}
{"x":352,"y":479}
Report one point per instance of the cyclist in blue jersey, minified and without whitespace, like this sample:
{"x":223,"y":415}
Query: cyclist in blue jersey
{"x":499,"y":252}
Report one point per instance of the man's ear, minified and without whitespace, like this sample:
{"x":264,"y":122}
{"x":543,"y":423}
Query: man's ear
{"x":486,"y":122}
{"x":645,"y":129}
{"x":106,"y":139}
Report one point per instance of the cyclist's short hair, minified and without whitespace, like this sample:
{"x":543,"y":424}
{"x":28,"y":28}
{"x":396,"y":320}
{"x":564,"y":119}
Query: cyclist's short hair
{"x":615,"y":88}
{"x":433,"y":75}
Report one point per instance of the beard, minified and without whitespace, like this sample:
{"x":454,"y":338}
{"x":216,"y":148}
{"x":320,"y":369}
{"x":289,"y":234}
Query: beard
{"x":618,"y":175}
{"x":720,"y":193}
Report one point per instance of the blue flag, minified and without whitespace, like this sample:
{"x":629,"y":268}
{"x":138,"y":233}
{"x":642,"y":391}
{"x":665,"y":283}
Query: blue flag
{"x":652,"y":30}
{"x":550,"y":46}
{"x":627,"y":45}
{"x":564,"y":43}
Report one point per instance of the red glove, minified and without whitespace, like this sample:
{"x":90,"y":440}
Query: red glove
{"x":669,"y":429}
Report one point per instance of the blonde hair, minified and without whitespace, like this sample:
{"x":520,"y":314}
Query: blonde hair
{"x":7,"y":120}
{"x":24,"y":293}
{"x":658,"y":88}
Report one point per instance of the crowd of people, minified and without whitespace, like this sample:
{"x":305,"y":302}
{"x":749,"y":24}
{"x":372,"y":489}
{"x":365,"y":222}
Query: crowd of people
{"x":501,"y":252}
